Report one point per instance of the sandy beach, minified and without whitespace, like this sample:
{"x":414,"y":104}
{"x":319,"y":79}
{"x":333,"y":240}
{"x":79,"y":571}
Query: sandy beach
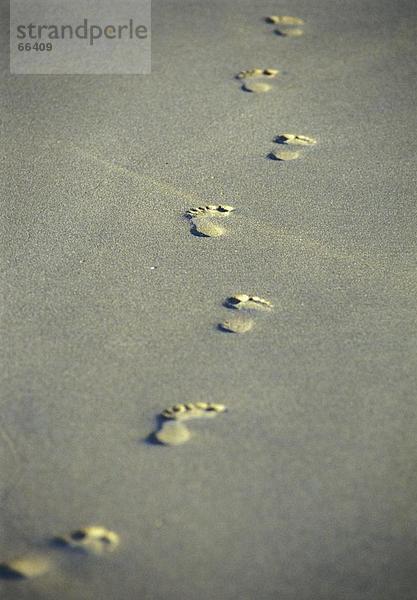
{"x":306,"y":487}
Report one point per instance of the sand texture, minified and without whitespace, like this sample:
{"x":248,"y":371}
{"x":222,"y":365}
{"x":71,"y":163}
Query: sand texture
{"x":305,"y":489}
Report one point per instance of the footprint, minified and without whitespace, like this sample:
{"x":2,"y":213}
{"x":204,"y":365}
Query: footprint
{"x":295,"y":139}
{"x":211,"y":210}
{"x":290,"y":139}
{"x":246,"y":302}
{"x":257,"y":87}
{"x":173,"y":433}
{"x":257,"y":73}
{"x":284,"y":155}
{"x":25,"y":567}
{"x":193,"y":410}
{"x":283,"y":20}
{"x":288,"y":22}
{"x":254,"y":75}
{"x":287,"y":32}
{"x":236,"y":325}
{"x":93,"y":539}
{"x":205,"y":228}
{"x":201,"y":219}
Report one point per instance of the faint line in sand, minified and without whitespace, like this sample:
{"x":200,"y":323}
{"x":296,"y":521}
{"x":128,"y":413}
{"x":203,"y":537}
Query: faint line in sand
{"x":18,"y":456}
{"x":299,"y":239}
{"x":9,"y":442}
{"x":161,"y":186}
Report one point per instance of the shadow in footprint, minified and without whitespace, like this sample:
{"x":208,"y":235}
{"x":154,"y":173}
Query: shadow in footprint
{"x":7,"y":572}
{"x":294,"y":33}
{"x":231,"y":302}
{"x":256,"y":87}
{"x":280,"y":139}
{"x":206,"y":228}
{"x":172,"y":432}
{"x":236,"y":325}
{"x":223,"y":329}
{"x":284,"y":155}
{"x":196,"y":232}
{"x":151,"y":439}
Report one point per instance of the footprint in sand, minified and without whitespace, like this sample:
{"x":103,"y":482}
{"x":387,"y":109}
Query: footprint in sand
{"x":286,"y":25}
{"x":290,"y":139}
{"x":295,"y":139}
{"x":247,"y":302}
{"x":193,"y":410}
{"x":173,"y":432}
{"x":26,"y":567}
{"x":211,"y":210}
{"x":254,"y":80}
{"x":90,"y":540}
{"x":287,"y":32}
{"x":243,"y":302}
{"x":284,"y":20}
{"x":283,"y":155}
{"x":206,"y":228}
{"x":236,"y":325}
{"x":93,"y":539}
{"x":203,"y":219}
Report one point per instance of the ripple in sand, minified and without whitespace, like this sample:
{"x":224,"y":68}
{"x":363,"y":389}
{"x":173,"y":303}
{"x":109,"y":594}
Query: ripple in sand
{"x":93,"y":539}
{"x":24,"y":568}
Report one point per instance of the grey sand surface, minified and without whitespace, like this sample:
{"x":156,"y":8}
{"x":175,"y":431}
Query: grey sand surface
{"x":306,"y":488}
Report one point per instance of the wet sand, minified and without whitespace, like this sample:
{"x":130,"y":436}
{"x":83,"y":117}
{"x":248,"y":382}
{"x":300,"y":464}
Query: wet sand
{"x":306,"y":487}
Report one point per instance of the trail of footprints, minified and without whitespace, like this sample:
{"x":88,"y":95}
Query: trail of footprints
{"x":207,"y":222}
{"x":256,"y":79}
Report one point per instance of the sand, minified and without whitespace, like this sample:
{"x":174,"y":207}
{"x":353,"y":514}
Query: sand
{"x":306,"y":489}
{"x":172,"y":433}
{"x":236,"y":325}
{"x":280,"y":154}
